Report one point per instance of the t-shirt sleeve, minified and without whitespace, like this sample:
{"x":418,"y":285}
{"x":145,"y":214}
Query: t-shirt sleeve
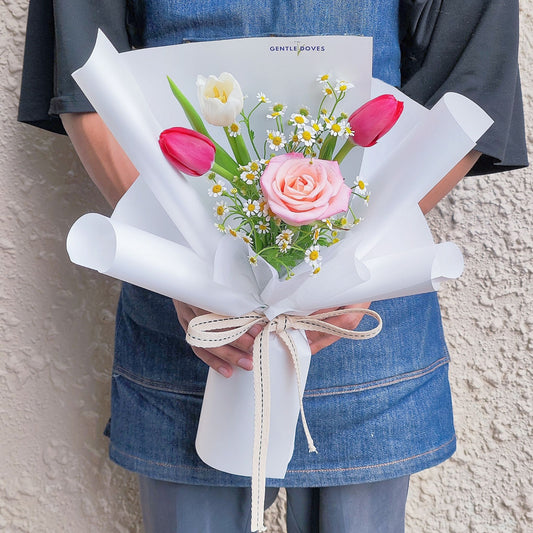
{"x":60,"y":36}
{"x":469,"y":47}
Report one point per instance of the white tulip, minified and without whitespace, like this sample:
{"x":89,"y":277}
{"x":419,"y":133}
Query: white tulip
{"x":221,"y":99}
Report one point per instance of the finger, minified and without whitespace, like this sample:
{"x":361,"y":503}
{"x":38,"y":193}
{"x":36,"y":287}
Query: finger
{"x":233,"y":356}
{"x":322,"y":342}
{"x":223,"y":368}
{"x":223,"y":363}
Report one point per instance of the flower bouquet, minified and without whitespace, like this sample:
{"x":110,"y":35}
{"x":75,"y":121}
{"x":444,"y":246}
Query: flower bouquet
{"x":271,"y":256}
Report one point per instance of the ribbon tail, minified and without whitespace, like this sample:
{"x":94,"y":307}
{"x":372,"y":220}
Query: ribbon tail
{"x":262,"y":426}
{"x":287,"y":339}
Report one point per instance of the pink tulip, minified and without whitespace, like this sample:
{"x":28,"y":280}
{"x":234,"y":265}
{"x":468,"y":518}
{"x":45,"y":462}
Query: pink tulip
{"x":187,"y":150}
{"x":374,"y":119}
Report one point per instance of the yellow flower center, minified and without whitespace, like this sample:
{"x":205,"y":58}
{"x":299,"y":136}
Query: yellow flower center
{"x":220,"y":210}
{"x":251,"y":207}
{"x":316,"y":270}
{"x":217,"y":188}
{"x":254,"y":166}
{"x":343,"y":87}
{"x":295,"y":138}
{"x":232,"y":232}
{"x":222,"y":96}
{"x":361,"y":184}
{"x":276,"y":140}
{"x":316,"y":127}
{"x":234,"y":127}
{"x":344,"y":221}
{"x":336,"y":128}
{"x":306,"y":136}
{"x":250,"y":176}
{"x":299,"y":119}
{"x":313,"y":255}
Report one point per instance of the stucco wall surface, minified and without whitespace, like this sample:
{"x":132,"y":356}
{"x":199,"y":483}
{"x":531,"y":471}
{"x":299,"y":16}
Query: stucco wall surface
{"x":56,"y":331}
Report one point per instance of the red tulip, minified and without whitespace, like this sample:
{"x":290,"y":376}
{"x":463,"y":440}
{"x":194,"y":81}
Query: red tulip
{"x":374,"y":119}
{"x":187,"y":150}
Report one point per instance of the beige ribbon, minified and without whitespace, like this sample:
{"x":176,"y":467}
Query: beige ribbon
{"x":212,"y":330}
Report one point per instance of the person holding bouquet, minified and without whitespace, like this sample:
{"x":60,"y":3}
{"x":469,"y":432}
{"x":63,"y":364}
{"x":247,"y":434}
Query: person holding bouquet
{"x":381,"y":409}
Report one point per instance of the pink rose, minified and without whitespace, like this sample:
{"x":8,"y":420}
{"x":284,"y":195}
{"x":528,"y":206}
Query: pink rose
{"x":301,"y":190}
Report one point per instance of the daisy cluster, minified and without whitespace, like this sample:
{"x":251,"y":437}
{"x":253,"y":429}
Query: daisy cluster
{"x":241,"y":210}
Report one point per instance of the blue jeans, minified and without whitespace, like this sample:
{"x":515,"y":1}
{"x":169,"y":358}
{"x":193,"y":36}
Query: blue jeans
{"x":377,"y":507}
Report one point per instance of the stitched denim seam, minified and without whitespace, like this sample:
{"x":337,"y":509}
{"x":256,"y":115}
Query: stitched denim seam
{"x":380,"y":465}
{"x":155,"y":385}
{"x":369,"y":385}
{"x":157,"y":463}
{"x":313,"y":393}
{"x":307,"y":471}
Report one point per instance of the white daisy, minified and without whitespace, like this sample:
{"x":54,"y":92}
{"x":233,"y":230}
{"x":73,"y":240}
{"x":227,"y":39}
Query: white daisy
{"x":220,"y":209}
{"x":285,"y":236}
{"x":252,"y":208}
{"x":216,"y":189}
{"x":276,"y":140}
{"x":298,"y":120}
{"x":262,"y":227}
{"x":307,"y":136}
{"x":261,"y":97}
{"x":342,"y":86}
{"x":234,"y":129}
{"x":277,"y":110}
{"x":312,"y":256}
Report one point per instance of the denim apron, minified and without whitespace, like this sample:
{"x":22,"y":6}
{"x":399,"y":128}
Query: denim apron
{"x":378,"y":408}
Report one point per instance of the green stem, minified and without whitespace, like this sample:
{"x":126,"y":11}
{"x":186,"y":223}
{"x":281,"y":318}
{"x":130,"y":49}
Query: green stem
{"x":238,"y":148}
{"x":328,"y":146}
{"x":242,"y":149}
{"x":344,"y":151}
{"x":221,"y":171}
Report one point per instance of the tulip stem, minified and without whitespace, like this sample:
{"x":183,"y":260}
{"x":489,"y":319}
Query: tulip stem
{"x":326,"y":151}
{"x":238,"y":147}
{"x":221,"y":171}
{"x":344,"y":151}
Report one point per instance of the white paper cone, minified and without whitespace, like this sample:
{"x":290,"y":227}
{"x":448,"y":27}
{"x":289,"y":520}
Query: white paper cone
{"x":135,"y":256}
{"x":226,"y":430}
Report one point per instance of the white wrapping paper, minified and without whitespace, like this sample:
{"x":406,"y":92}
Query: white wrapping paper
{"x":162,"y":237}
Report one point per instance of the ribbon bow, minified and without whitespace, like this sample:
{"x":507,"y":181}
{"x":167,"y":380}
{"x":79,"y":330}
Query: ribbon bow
{"x":212,"y":330}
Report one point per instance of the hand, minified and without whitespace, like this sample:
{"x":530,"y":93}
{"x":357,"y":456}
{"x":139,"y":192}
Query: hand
{"x":221,"y":359}
{"x":318,"y":340}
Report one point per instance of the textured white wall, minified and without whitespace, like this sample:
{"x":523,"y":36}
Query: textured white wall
{"x":56,"y":331}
